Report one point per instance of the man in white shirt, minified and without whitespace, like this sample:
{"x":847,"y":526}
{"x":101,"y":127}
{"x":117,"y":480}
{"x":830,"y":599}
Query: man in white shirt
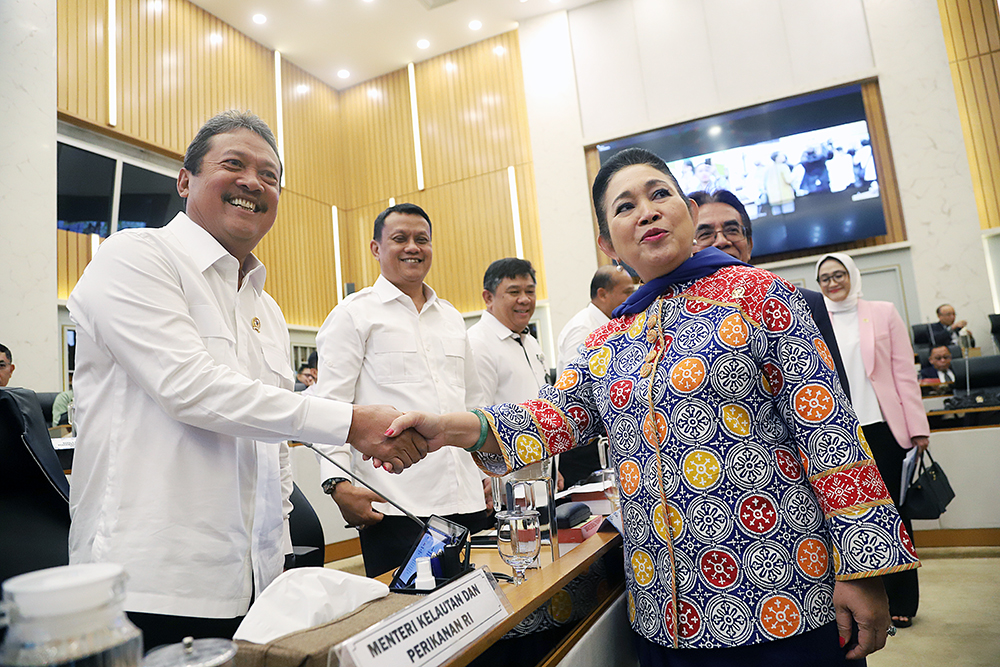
{"x":397,"y":343}
{"x":183,"y":399}
{"x":609,"y":288}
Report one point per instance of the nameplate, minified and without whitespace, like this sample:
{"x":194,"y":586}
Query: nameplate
{"x":430,"y":631}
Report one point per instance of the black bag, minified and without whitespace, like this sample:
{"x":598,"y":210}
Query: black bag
{"x":928,"y":494}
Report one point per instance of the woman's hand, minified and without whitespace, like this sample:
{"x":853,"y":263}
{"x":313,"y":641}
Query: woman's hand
{"x":921,"y":442}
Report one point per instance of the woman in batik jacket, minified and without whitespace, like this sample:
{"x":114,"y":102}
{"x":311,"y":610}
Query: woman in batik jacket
{"x":755,"y":520}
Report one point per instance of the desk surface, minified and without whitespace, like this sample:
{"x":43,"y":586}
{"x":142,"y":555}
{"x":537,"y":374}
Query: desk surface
{"x":540,"y":585}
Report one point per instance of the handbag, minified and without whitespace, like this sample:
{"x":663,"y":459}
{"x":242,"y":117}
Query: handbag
{"x":929,"y":494}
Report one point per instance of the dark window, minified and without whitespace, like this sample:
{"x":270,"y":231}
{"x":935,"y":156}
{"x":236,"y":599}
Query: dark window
{"x":148,"y":199}
{"x":85,"y":187}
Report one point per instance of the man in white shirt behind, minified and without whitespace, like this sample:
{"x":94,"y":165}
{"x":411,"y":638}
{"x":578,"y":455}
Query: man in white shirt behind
{"x":183,"y":399}
{"x":397,"y":343}
{"x":609,"y":288}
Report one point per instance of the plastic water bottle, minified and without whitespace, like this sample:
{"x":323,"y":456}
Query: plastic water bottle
{"x":70,"y":616}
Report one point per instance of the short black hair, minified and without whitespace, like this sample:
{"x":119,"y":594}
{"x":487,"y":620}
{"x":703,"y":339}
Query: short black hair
{"x":304,"y":367}
{"x":938,"y":310}
{"x":227,"y":121}
{"x":6,"y":350}
{"x":404,"y":208}
{"x":626,"y":158}
{"x":313,"y":361}
{"x":729,"y":199}
{"x":508,"y":267}
{"x":604,"y":277}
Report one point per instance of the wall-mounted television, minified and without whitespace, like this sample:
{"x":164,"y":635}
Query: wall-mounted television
{"x":802,"y":166}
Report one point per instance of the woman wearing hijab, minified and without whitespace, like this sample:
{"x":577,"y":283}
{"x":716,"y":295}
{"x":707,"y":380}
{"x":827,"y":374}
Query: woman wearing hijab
{"x":878,"y":359}
{"x":753,"y":514}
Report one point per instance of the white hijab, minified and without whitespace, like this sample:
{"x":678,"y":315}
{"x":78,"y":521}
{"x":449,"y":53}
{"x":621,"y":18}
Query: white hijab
{"x":851,"y":302}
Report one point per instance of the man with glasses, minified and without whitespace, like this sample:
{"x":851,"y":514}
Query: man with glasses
{"x":723,"y":222}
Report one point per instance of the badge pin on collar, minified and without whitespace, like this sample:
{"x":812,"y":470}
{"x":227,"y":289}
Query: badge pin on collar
{"x":255,"y":323}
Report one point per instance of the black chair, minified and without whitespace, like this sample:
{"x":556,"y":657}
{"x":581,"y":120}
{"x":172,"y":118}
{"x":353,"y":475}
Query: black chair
{"x":995,"y":329}
{"x":45,"y":400}
{"x":983,"y":372}
{"x":307,"y":532}
{"x":34,"y":493}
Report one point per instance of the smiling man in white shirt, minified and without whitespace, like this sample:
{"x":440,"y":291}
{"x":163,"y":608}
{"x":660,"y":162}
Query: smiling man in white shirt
{"x":183,"y":399}
{"x":397,"y":343}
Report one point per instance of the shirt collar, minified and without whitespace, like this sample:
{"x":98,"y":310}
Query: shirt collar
{"x":497,"y":327}
{"x":598,"y":312}
{"x":389,"y":292}
{"x":206,"y":251}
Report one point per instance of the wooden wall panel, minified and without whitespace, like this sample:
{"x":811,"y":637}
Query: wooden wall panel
{"x":311,"y":112}
{"x":377,"y":140}
{"x":172,"y":77}
{"x":73,"y":254}
{"x":531,"y":233}
{"x":356,"y":226}
{"x":972,"y":39}
{"x":473,"y":118}
{"x":298,"y":253}
{"x":82,"y":86}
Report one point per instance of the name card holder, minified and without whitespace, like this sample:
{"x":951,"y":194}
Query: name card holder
{"x":430,"y":631}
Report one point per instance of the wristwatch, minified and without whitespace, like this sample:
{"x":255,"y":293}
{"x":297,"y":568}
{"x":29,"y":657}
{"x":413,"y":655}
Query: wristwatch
{"x":330,"y":485}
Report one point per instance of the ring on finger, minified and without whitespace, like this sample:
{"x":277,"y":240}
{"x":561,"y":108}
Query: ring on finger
{"x":891,"y":632}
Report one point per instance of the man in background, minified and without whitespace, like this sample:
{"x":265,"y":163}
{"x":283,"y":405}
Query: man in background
{"x":609,"y":288}
{"x":397,"y":343}
{"x":723,"y":222}
{"x":940,"y":365}
{"x":946,"y":331}
{"x":183,"y":399}
{"x":6,"y":365}
{"x":306,"y":377}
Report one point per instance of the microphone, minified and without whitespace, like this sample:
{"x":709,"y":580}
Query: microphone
{"x":366,"y":485}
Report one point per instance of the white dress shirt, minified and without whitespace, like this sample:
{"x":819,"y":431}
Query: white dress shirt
{"x":183,"y":400}
{"x":575,"y":333}
{"x":509,"y":371}
{"x":848,"y":332}
{"x":375,"y":348}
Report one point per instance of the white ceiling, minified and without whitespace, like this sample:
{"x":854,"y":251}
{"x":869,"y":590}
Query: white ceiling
{"x":369,"y":39}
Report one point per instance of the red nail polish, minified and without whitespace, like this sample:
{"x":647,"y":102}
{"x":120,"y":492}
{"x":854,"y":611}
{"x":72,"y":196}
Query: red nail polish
{"x":388,"y":432}
{"x":842,"y":642}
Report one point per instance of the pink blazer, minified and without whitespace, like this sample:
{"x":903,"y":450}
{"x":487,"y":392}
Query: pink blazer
{"x":888,"y":359}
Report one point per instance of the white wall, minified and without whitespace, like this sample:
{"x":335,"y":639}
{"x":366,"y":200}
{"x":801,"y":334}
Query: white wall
{"x":28,"y":196}
{"x":642,"y":64}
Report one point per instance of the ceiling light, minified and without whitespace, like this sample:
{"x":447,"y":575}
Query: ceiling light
{"x":475,"y":25}
{"x":259,"y":19}
{"x":215,"y":38}
{"x":343,"y":74}
{"x":301,"y":89}
{"x":450,"y":66}
{"x":374,"y":93}
{"x":715,"y":130}
{"x":499,"y":50}
{"x":423,"y":44}
{"x":155,"y":5}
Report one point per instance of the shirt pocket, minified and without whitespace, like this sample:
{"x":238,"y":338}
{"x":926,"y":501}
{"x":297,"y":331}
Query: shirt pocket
{"x":395,"y":358}
{"x":454,"y":360}
{"x":276,"y":361}
{"x":216,"y":336}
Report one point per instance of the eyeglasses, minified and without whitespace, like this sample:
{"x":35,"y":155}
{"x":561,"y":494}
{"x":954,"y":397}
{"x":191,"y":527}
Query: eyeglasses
{"x":706,"y":236}
{"x":836,"y":276}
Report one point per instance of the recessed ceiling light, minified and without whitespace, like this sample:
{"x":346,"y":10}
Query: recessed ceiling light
{"x":302,"y":89}
{"x":475,"y":25}
{"x":259,"y":18}
{"x":155,"y":5}
{"x":715,"y":130}
{"x":343,"y":74}
{"x":215,"y":38}
{"x":499,"y":50}
{"x":450,"y":66}
{"x":368,"y":0}
{"x":423,"y":44}
{"x":374,"y":93}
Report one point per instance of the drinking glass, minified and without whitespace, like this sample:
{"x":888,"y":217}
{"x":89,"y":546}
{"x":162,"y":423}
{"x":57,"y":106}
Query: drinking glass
{"x":610,"y":482}
{"x":519,"y":538}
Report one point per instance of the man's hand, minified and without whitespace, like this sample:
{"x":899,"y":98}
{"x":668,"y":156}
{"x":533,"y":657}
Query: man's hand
{"x":355,"y":503}
{"x":368,"y":435}
{"x":863,"y":601}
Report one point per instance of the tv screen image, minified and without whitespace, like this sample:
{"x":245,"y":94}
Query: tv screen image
{"x":803,"y":167}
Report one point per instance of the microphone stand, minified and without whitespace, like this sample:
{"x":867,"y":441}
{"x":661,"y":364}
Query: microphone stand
{"x":365,"y":484}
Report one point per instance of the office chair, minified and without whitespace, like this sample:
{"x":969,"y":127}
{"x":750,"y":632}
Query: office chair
{"x":308,"y":543}
{"x":34,"y":493}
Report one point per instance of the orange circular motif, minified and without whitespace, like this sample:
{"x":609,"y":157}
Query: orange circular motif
{"x":824,"y":352}
{"x":674,"y":520}
{"x":687,"y":374}
{"x":701,"y":469}
{"x":734,"y":331}
{"x":599,"y":361}
{"x":642,"y":567}
{"x":737,"y":419}
{"x":812,"y":557}
{"x":780,"y":616}
{"x":528,"y":448}
{"x":654,"y":436}
{"x":561,"y":607}
{"x":814,"y":403}
{"x":568,"y":379}
{"x":629,"y":476}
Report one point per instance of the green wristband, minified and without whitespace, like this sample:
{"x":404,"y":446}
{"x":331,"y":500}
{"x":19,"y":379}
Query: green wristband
{"x":484,"y":430}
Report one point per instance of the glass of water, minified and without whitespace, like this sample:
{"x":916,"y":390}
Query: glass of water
{"x":519,"y":538}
